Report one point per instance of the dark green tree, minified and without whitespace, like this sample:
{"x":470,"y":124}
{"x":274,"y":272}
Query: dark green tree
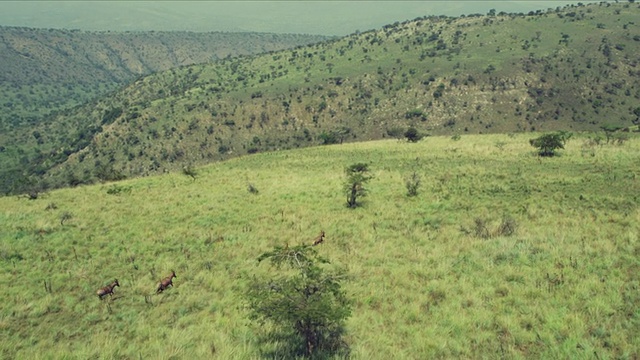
{"x":357,"y":176}
{"x":547,"y":144}
{"x":412,"y":134}
{"x":304,"y":303}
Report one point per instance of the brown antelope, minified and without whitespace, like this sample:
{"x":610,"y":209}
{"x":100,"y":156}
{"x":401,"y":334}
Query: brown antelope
{"x":166,"y":282}
{"x":319,"y":239}
{"x":107,"y":290}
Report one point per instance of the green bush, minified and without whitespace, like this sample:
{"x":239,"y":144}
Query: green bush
{"x":412,"y":134}
{"x":304,"y":303}
{"x":547,"y":144}
{"x":357,"y":176}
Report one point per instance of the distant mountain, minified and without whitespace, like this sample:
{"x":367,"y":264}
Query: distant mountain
{"x":573,"y":68}
{"x":46,"y":70}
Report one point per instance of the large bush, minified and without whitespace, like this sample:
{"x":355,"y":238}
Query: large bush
{"x":303,"y":303}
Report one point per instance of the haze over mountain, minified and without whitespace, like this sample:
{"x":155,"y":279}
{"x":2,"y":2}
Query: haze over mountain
{"x":302,"y":17}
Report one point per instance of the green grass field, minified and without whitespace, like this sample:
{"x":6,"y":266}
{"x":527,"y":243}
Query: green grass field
{"x":564,"y":285}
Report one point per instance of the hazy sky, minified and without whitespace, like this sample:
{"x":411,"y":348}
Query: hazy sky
{"x":332,"y":17}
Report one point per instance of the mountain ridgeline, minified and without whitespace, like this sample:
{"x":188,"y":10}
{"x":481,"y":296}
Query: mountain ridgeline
{"x":573,"y":68}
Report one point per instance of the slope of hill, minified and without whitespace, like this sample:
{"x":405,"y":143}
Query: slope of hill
{"x":48,"y":69}
{"x":430,"y":277}
{"x":572,"y":68}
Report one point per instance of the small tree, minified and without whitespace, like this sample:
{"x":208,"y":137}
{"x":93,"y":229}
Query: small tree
{"x":357,"y":176}
{"x":305,"y":304}
{"x":413,"y":183}
{"x":547,"y":144}
{"x":412,"y":134}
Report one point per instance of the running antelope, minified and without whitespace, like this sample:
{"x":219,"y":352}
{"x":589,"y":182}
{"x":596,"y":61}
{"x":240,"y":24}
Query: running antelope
{"x":319,"y":239}
{"x":166,"y":282}
{"x":107,"y":290}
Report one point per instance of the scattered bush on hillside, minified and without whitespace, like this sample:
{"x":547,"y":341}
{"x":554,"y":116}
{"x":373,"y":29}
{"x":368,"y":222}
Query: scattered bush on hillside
{"x":328,"y":138}
{"x":481,"y":228}
{"x":31,"y":187}
{"x":303,"y":303}
{"x":106,"y":172}
{"x":412,"y":183}
{"x":117,"y":190}
{"x":357,"y":176}
{"x":412,"y":134}
{"x":396,"y":132}
{"x":416,"y":113}
{"x":547,"y":144}
{"x":336,"y":136}
{"x":65,"y":216}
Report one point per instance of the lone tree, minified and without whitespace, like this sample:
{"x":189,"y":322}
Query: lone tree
{"x":547,"y":144}
{"x":357,"y":176}
{"x":412,"y":134}
{"x":304,"y":304}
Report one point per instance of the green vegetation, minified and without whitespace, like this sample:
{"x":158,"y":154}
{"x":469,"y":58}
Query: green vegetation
{"x":547,"y":144}
{"x":306,"y":307}
{"x":564,"y":284}
{"x":46,"y":71}
{"x":357,"y":176}
{"x":413,"y":184}
{"x":544,"y":71}
{"x":412,"y":134}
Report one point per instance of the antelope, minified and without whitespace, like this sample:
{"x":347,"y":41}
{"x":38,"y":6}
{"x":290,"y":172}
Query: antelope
{"x":319,"y":239}
{"x":107,"y":290}
{"x":166,"y":282}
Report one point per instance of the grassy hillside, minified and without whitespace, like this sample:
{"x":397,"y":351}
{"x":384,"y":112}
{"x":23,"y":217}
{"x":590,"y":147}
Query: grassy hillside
{"x":573,"y":68}
{"x":424,"y":281}
{"x":45,"y":70}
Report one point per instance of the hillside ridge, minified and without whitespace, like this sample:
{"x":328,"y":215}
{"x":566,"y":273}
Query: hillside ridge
{"x":52,"y":69}
{"x":571,"y":68}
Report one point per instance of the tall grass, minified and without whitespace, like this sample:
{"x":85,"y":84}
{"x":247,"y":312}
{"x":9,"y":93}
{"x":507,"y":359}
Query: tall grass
{"x":423,"y":285}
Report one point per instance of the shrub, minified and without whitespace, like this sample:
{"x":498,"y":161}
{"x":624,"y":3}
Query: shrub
{"x":328,"y":138}
{"x":413,"y":183}
{"x":548,"y":144}
{"x":412,"y":134}
{"x":117,"y":190}
{"x":357,"y":176}
{"x":416,"y":113}
{"x":482,"y":228}
{"x":396,"y":132}
{"x":304,"y":304}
